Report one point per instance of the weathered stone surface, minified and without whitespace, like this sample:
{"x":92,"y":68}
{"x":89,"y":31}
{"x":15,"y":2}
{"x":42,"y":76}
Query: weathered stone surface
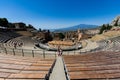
{"x":116,"y":21}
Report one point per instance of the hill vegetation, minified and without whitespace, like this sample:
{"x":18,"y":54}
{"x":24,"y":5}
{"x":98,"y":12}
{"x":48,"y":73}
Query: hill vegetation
{"x":105,"y":27}
{"x":114,"y":23}
{"x":6,"y":24}
{"x":107,"y":30}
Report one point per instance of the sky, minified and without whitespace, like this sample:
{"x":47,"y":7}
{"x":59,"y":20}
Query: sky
{"x":53,"y":14}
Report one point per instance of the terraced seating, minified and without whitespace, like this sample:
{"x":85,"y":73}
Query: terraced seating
{"x":24,"y":68}
{"x":3,"y":39}
{"x":105,"y":35}
{"x":114,"y":45}
{"x":27,"y":43}
{"x":11,"y":42}
{"x":93,"y":66}
{"x":70,"y":48}
{"x":89,"y":46}
{"x":7,"y":35}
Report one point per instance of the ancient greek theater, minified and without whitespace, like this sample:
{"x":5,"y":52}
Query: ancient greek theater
{"x":60,"y":40}
{"x":28,"y":54}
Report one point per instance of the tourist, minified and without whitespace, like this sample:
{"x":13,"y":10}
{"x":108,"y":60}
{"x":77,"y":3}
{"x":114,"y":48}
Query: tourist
{"x":58,"y":50}
{"x":61,"y":52}
{"x":20,"y":44}
{"x":15,"y":45}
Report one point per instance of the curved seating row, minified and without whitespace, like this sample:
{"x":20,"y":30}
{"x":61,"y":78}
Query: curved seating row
{"x":93,"y":66}
{"x":47,"y":47}
{"x":22,"y":42}
{"x":7,"y":35}
{"x":112,"y":44}
{"x":24,"y":68}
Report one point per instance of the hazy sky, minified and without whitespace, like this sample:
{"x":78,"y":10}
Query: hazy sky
{"x":47,"y":14}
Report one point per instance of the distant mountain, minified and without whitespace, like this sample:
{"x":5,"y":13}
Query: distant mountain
{"x":80,"y":26}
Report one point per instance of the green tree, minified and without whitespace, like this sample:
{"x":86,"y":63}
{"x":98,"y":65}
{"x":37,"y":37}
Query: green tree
{"x":115,"y":24}
{"x":30,"y":26}
{"x":105,"y":27}
{"x":3,"y":22}
{"x":40,"y":30}
{"x":61,"y":36}
{"x":10,"y":25}
{"x":102,"y":29}
{"x":109,"y":27}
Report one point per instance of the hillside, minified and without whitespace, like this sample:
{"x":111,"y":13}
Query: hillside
{"x":108,"y":30}
{"x":116,"y":21}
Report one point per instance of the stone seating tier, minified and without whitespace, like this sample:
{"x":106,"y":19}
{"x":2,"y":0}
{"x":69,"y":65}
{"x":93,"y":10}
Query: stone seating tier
{"x":93,"y":66}
{"x":23,"y":68}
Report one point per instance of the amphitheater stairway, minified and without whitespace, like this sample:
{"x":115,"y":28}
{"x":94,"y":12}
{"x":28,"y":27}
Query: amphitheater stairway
{"x":58,"y":72}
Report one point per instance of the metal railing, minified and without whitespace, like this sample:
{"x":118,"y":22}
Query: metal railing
{"x":41,"y":53}
{"x":34,"y":53}
{"x":28,"y":52}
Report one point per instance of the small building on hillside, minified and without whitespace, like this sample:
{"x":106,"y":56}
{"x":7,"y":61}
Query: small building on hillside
{"x":20,"y":25}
